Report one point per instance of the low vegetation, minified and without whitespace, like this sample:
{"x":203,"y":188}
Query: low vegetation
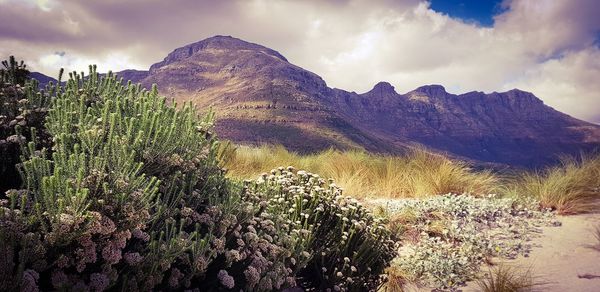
{"x":362,"y":175}
{"x":569,"y":188}
{"x":506,"y":279}
{"x":446,"y":239}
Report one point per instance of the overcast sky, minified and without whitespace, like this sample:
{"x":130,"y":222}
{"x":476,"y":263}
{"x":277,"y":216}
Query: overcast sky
{"x":548,"y":47}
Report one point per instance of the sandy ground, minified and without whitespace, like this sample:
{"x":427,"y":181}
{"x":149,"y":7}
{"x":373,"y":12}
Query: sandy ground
{"x":563,"y":258}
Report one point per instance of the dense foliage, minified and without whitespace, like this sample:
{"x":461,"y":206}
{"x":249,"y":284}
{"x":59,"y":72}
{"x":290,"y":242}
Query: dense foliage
{"x":348,"y":247}
{"x":124,"y":191}
{"x":21,"y":108}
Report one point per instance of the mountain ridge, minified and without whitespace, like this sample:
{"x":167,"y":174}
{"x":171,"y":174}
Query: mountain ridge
{"x":260,"y":97}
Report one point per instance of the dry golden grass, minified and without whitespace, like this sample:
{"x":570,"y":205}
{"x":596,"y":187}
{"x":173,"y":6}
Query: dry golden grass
{"x":506,"y":279}
{"x":396,"y":280}
{"x":361,"y":174}
{"x":569,"y":188}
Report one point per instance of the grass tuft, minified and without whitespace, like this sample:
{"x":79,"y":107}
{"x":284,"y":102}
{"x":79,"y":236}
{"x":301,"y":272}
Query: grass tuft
{"x":396,"y":279}
{"x":506,"y":279}
{"x":569,"y":188}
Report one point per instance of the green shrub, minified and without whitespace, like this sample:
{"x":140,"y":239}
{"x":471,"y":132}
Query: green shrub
{"x":97,"y":206}
{"x":348,"y":247}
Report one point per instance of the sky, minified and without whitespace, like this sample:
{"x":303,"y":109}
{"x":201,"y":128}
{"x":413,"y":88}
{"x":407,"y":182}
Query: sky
{"x":548,"y":47}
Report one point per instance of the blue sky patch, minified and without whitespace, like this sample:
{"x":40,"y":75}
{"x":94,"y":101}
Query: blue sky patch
{"x":480,"y":12}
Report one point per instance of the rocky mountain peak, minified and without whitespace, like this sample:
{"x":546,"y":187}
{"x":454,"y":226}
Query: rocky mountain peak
{"x":433,"y":90}
{"x":382,"y":88}
{"x":522,"y":95}
{"x":219,"y":42}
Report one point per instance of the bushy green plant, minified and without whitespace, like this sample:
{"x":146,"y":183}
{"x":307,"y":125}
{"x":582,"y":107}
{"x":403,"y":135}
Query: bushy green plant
{"x":96,"y":206}
{"x":131,"y":196}
{"x":348,"y":247}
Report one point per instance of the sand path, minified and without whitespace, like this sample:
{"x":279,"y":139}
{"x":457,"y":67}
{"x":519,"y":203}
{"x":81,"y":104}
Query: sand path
{"x":562,"y":258}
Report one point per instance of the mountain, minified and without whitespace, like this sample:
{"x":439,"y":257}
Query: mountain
{"x":512,"y":127}
{"x":260,"y":97}
{"x":42,"y":79}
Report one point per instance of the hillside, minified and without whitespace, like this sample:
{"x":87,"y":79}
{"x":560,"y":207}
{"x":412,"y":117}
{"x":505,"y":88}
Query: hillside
{"x":260,"y":97}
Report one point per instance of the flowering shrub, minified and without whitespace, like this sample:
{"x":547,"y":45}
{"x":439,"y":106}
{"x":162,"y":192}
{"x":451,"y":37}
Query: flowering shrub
{"x":447,"y":238}
{"x":128,"y":194}
{"x":347,"y":248}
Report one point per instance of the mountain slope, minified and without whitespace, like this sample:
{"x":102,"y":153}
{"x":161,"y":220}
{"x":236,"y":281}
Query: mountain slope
{"x":42,"y":79}
{"x":260,"y":97}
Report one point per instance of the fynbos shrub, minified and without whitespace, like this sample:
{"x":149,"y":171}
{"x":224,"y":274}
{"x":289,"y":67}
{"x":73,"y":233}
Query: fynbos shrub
{"x":97,"y":206}
{"x":346,"y":246}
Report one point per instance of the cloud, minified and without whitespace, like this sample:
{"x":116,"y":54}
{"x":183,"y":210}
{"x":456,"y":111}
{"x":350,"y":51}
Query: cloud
{"x":547,"y":47}
{"x":569,"y":83}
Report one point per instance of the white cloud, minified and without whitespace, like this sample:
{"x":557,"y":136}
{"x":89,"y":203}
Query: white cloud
{"x":115,"y":61}
{"x":570,"y":83}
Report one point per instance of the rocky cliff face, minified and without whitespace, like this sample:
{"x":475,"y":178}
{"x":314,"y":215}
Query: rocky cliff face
{"x":513,"y":127}
{"x":260,"y":97}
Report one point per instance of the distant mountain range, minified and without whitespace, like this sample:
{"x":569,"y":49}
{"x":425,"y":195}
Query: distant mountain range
{"x":259,"y":97}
